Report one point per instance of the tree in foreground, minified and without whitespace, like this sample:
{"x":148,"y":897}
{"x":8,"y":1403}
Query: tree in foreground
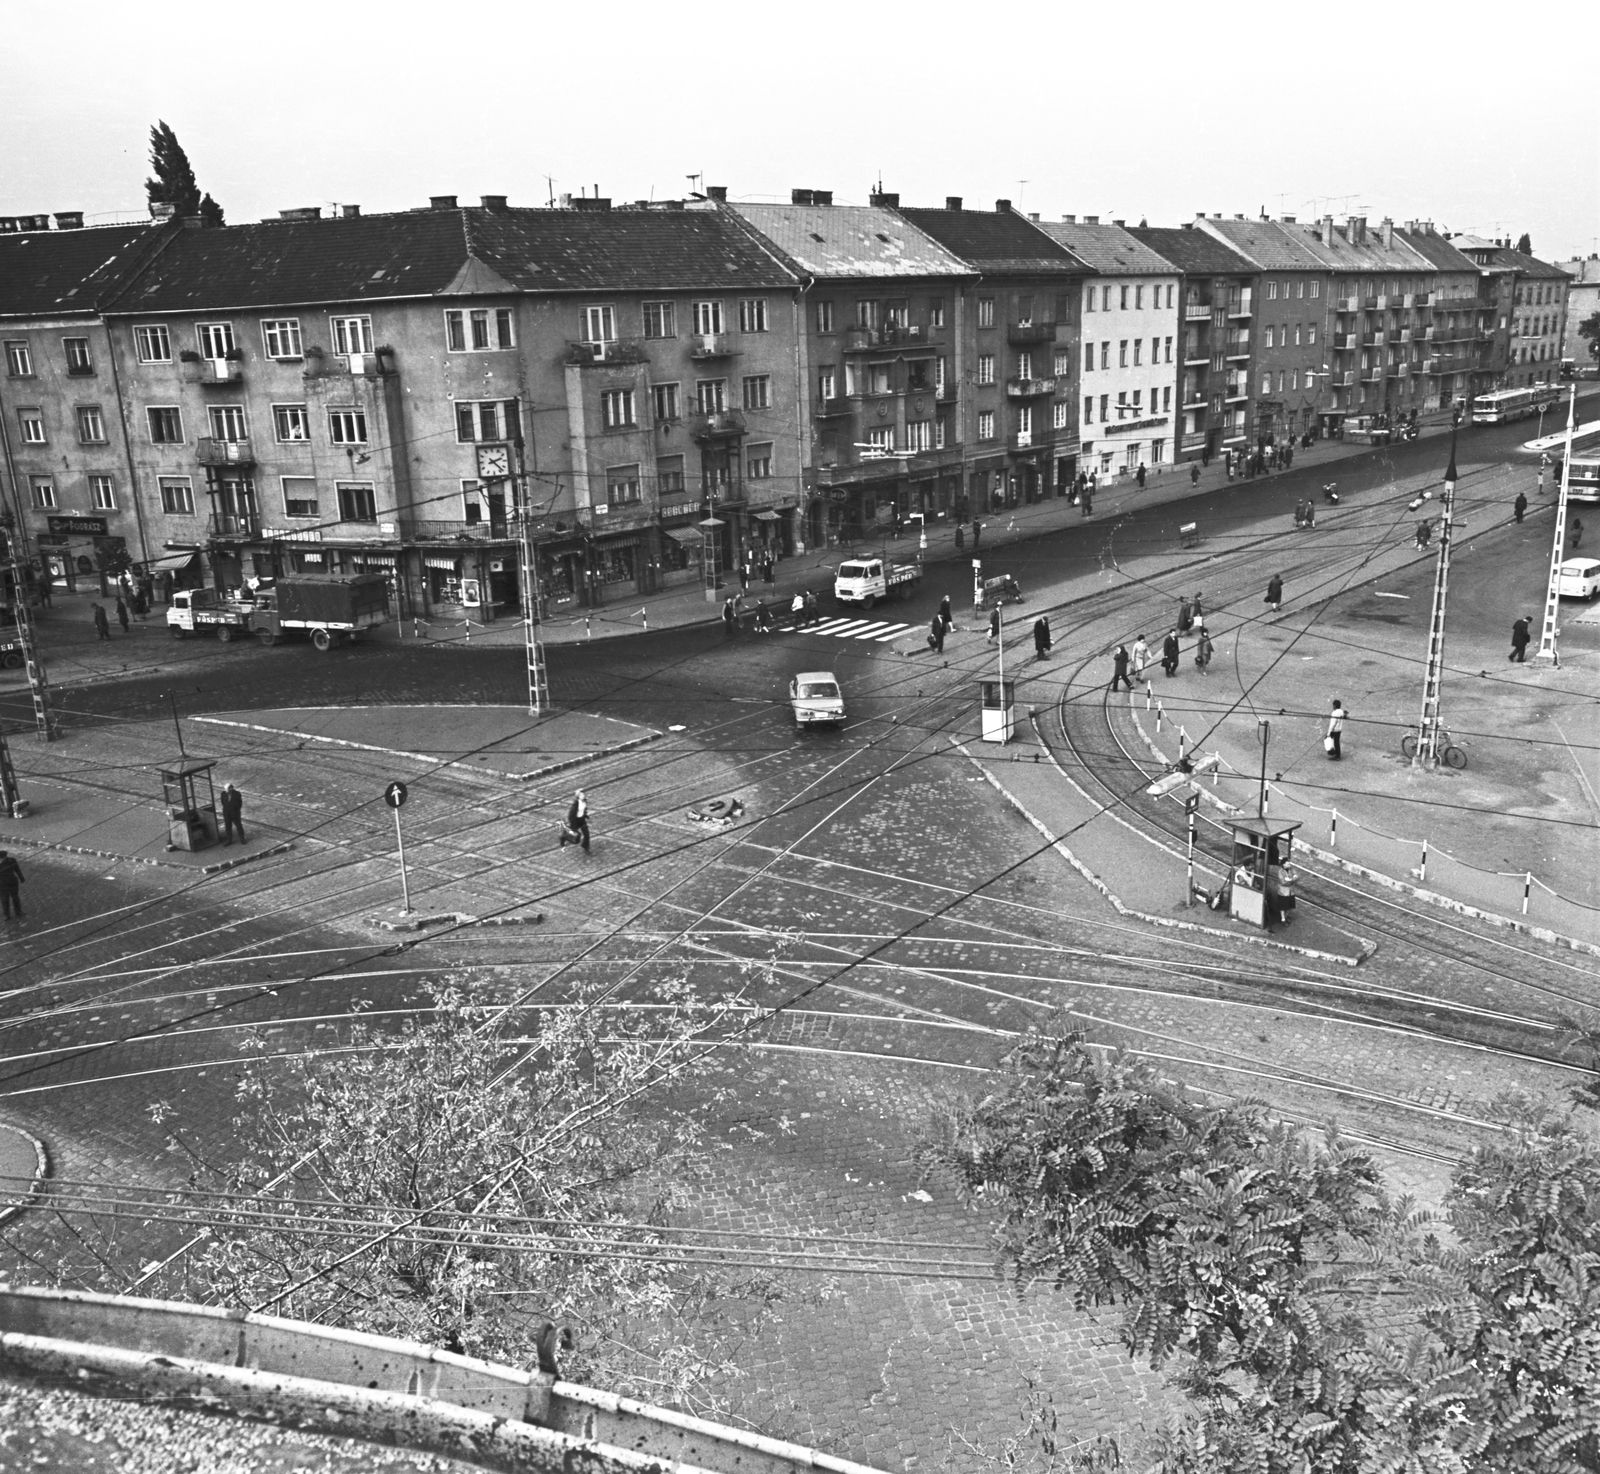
{"x":484,"y":1172}
{"x":1315,"y":1324}
{"x":173,"y":182}
{"x":1589,"y":331}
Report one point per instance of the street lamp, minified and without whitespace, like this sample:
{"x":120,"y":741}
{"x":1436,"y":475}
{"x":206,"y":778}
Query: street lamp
{"x":1263,"y":735}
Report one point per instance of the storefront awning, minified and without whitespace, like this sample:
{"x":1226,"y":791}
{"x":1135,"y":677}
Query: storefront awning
{"x":766,"y":516}
{"x":712,"y":522}
{"x":444,"y":565}
{"x":377,"y":560}
{"x":691,"y":535}
{"x":172,"y":562}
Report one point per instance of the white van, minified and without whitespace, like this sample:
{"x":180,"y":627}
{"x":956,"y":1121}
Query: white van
{"x":1578,"y":578}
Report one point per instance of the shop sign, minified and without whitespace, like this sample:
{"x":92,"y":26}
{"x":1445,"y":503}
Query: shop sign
{"x":1135,"y":425}
{"x":78,"y":526}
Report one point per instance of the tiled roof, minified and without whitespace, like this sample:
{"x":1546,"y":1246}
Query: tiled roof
{"x":850,"y":240}
{"x":1437,"y":250}
{"x":1584,"y":270}
{"x":1110,"y":250}
{"x":1273,"y":245}
{"x":54,"y":271}
{"x":1367,"y":254}
{"x":1193,"y":251}
{"x":424,"y":253}
{"x":996,"y":243}
{"x":1530,"y":265}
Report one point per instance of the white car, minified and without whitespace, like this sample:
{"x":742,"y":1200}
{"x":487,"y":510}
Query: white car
{"x":816,"y":698}
{"x":1578,"y":578}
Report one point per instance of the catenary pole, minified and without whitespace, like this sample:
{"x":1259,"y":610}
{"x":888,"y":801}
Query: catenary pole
{"x":1552,"y":594}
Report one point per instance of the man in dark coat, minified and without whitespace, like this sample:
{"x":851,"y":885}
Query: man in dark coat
{"x":1170,"y":652}
{"x":1519,"y":506}
{"x":122,"y":613}
{"x":936,"y":635}
{"x":1041,"y":637}
{"x":1185,"y":617}
{"x":944,"y":612}
{"x":232,"y":814}
{"x":1119,"y":668}
{"x":1139,"y":476}
{"x":1194,"y":474}
{"x":1274,"y":597}
{"x":102,"y":625}
{"x":10,"y":882}
{"x":1519,"y":640}
{"x":729,"y":618}
{"x":977,"y":534}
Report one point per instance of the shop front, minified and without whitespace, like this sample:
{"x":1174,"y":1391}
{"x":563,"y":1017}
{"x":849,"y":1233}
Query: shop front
{"x":78,"y":548}
{"x":682,"y":554}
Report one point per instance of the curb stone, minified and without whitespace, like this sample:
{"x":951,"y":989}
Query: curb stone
{"x":453,"y":918}
{"x":41,"y":1171}
{"x":75,"y":849}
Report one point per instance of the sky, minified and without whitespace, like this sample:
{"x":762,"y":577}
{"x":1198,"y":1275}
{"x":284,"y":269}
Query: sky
{"x":1462,"y":115}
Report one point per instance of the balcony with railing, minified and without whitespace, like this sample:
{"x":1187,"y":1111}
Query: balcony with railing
{"x":1240,"y":304}
{"x":1023,"y":439}
{"x":236,"y":522}
{"x":1372,"y":375}
{"x":1345,"y":380}
{"x":1372,"y":340}
{"x":1237,"y":346}
{"x":1347,"y":304}
{"x":210,"y":451}
{"x":1194,"y":356}
{"x":602,"y":353}
{"x":373,"y":364}
{"x":1345,"y":342}
{"x":710,"y":345}
{"x":1236,"y":390}
{"x":439,"y":529}
{"x":722,"y":424}
{"x":212,"y":370}
{"x":1021,"y":334}
{"x":831,"y":408}
{"x":1431,"y":365}
{"x":1193,"y":399}
{"x":1197,"y":312}
{"x":1029,"y":388}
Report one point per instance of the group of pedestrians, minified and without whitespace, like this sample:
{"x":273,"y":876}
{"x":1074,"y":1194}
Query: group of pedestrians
{"x":102,"y":623}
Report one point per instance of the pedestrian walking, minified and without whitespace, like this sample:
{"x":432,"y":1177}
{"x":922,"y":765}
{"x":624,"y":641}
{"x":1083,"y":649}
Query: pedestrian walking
{"x":1335,"y":730}
{"x":577,"y":829}
{"x":1199,"y":607}
{"x":797,"y":609}
{"x":763,"y":618}
{"x":944,"y":612}
{"x":141,"y":602}
{"x":1141,"y":657}
{"x":122,"y":613}
{"x":729,"y":618}
{"x":1300,"y":513}
{"x":994,"y":624}
{"x":1185,"y":617}
{"x":936,"y":635}
{"x":1139,"y":476}
{"x":1519,"y":640}
{"x":232,"y":813}
{"x":977,"y":534}
{"x":1119,"y":668}
{"x":744,"y":578}
{"x":1424,"y":533}
{"x":961,"y":536}
{"x":102,"y":625}
{"x":1041,"y":637}
{"x":1519,"y":506}
{"x":11,"y":879}
{"x":1170,"y":652}
{"x":811,"y":607}
{"x":1274,"y":599}
{"x":1194,"y":474}
{"x":1311,"y":513}
{"x":1088,"y":500}
{"x":1577,"y":533}
{"x":1202,"y":650}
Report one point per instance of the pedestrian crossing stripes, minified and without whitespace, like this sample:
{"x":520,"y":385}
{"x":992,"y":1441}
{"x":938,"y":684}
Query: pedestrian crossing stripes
{"x":879,"y":630}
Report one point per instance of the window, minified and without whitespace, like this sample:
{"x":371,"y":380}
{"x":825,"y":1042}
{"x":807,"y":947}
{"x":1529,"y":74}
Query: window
{"x":1122,"y":354}
{"x":177,"y":496}
{"x":19,"y":360}
{"x":940,"y":370}
{"x":878,"y":378}
{"x":707,"y":317}
{"x":227,"y":422}
{"x":1138,"y":297}
{"x":936,"y":312}
{"x":299,"y":496}
{"x":1088,"y":299}
{"x":881,"y":437}
{"x":1138,"y":346}
{"x":1088,"y":358}
{"x":940,"y":433}
{"x":77,"y":352}
{"x":1316,"y":288}
{"x":291,"y":422}
{"x":1268,"y":338}
{"x":1105,"y":299}
{"x":151,"y":343}
{"x":710,"y":396}
{"x":347,"y":426}
{"x":102,"y":494}
{"x":827,"y":384}
{"x":1280,"y":381}
{"x":758,"y":463}
{"x":622,"y":485}
{"x":824,"y":317}
{"x":351,"y":334}
{"x":896,"y":314}
{"x":1122,"y":299}
{"x":1063,"y":362}
{"x":1158,"y":452}
{"x":986,"y":424}
{"x":166,"y":425}
{"x":1169,"y":350}
{"x":214,"y":339}
{"x":1136,"y":394}
{"x":1058,"y":415}
{"x":1105,"y":407}
{"x":32,"y":426}
{"x":616,"y":409}
{"x":1266,"y":383}
{"x":866,"y":314}
{"x":1297,"y":333}
{"x":669,"y":474}
{"x":1088,"y":409}
{"x":44,"y":490}
{"x":1272,"y":291}
{"x":356,"y":501}
{"x":1311,"y":379}
{"x":919,"y":435}
{"x":758,"y":391}
{"x":1024,"y":365}
{"x":1024,"y":422}
{"x":986,"y":317}
{"x":986,"y":368}
{"x":1311,"y":329}
{"x":1105,"y":355}
{"x":660,"y":320}
{"x":664,"y":400}
{"x":1166,"y":399}
{"x":487,"y":419}
{"x":752,"y":314}
{"x":91,"y":425}
{"x":280,"y":337}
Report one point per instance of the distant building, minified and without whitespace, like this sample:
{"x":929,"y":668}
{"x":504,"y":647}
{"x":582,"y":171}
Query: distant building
{"x":1455,"y":330}
{"x":1531,"y":310}
{"x":1583,"y":301}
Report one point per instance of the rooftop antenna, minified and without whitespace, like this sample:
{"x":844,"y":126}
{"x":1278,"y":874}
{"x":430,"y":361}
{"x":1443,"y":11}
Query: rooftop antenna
{"x":550,"y":182}
{"x":694,"y":182}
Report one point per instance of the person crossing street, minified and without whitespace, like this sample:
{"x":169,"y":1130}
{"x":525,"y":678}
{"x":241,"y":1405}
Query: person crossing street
{"x":11,"y":879}
{"x":1041,"y":637}
{"x":1119,"y":668}
{"x":1171,"y":651}
{"x":577,"y":830}
{"x":1202,"y":651}
{"x":1141,"y":657}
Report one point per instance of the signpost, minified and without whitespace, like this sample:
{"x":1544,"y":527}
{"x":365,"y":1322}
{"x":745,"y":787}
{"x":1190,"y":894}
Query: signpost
{"x":395,"y":796}
{"x":1190,"y":804}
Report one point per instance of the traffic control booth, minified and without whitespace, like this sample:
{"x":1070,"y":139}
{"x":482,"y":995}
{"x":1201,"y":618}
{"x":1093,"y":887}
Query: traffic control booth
{"x":999,"y":700}
{"x":191,"y":800}
{"x":1261,"y":883}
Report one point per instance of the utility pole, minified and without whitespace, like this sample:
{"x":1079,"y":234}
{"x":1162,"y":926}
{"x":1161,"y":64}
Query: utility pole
{"x":528,"y":586}
{"x":17,"y":563}
{"x":1552,"y":594}
{"x":1428,"y":728}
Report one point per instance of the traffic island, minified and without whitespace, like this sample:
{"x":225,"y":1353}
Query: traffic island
{"x":421,"y":921}
{"x":24,"y":1166}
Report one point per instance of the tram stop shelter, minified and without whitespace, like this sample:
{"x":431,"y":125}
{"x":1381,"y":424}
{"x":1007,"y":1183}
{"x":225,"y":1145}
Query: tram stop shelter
{"x":191,"y":803}
{"x":999,"y":700}
{"x":1262,"y":880}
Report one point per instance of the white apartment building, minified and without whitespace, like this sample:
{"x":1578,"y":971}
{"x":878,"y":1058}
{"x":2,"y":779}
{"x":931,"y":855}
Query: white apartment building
{"x":1131,"y":339}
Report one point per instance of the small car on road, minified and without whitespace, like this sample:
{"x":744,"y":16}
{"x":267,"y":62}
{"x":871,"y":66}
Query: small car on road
{"x":1578,"y":578}
{"x":816,"y":699}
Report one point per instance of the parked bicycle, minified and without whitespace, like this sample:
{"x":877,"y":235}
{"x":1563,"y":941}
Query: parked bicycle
{"x":1449,"y":754}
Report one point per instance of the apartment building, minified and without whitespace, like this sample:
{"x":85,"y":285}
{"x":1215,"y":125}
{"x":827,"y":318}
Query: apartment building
{"x":1131,"y":359}
{"x":1455,"y":363}
{"x":1532,"y":300}
{"x":1290,"y":363}
{"x":881,"y":358}
{"x":1583,"y":301}
{"x":370,"y":392}
{"x":1217,"y":293}
{"x":1019,"y":330}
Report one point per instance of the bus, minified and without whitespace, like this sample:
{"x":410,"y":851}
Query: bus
{"x":1513,"y":404}
{"x":1585,"y":483}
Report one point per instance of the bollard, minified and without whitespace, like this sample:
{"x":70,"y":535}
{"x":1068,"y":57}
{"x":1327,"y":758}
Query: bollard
{"x":644,"y":615}
{"x":1158,"y":718}
{"x":1422,"y":873}
{"x":1183,"y":740}
{"x":1333,"y":829}
{"x":1149,"y":696}
{"x":588,"y":629}
{"x":467,"y":623}
{"x":1266,"y":801}
{"x":1527,"y":885}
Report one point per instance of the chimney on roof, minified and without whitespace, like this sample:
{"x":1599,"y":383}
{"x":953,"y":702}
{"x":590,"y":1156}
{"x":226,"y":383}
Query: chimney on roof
{"x":69,"y":219}
{"x":952,"y":202}
{"x":301,"y":212}
{"x":162,"y":210}
{"x":1327,"y":229}
{"x":718,"y":192}
{"x":822,"y":197}
{"x":1287,"y":219}
{"x":1091,"y":219}
{"x":1356,"y":226}
{"x":349,"y":212}
{"x":1069,"y":219}
{"x":1002,"y":207}
{"x":1238,"y":217}
{"x":1034,"y":216}
{"x":884,"y":200}
{"x":9,"y":225}
{"x":1387,"y":227}
{"x":492,"y":201}
{"x":591,"y":202}
{"x":441,"y":202}
{"x":802,"y":196}
{"x":1217,"y":215}
{"x":1119,"y":222}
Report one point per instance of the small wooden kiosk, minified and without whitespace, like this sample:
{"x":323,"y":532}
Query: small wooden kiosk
{"x":191,"y":799}
{"x":1262,"y":881}
{"x":999,"y":701}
